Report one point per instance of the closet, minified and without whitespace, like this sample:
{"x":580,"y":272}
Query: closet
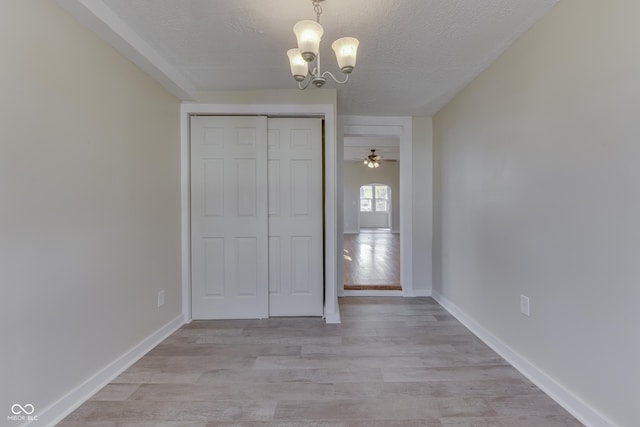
{"x":256,"y":217}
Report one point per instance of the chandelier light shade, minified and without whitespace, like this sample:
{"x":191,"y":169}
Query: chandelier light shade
{"x":299,"y":67}
{"x":309,"y":34}
{"x":346,"y":49}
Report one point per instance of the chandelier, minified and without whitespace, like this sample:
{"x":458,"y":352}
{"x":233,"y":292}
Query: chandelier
{"x":308,"y":33}
{"x":373,"y":160}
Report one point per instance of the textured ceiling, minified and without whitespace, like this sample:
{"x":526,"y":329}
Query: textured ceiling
{"x":414,"y":55}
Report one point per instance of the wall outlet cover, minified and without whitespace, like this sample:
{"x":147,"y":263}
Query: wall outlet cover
{"x":524,"y":305}
{"x":160,"y":298}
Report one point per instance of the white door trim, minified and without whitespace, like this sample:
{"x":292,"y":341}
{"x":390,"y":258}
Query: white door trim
{"x":402,"y":128}
{"x":331,"y":309}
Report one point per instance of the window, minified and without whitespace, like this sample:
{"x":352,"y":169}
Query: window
{"x":374,"y":198}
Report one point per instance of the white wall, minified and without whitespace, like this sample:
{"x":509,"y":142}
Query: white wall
{"x":356,"y":175}
{"x":89,"y":205}
{"x":374,"y":219}
{"x":538,"y":192}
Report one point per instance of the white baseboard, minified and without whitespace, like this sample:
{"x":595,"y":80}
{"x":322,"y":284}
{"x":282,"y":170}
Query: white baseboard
{"x":422,"y":292}
{"x":563,"y":396}
{"x":76,"y":397}
{"x":408,"y":292}
{"x":333,"y":317}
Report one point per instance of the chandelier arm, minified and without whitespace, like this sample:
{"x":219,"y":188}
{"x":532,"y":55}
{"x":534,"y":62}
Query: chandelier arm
{"x":327,"y":73}
{"x":316,"y":71}
{"x":306,"y":85}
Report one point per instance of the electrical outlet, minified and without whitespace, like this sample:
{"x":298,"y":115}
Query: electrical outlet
{"x":160,"y":298}
{"x":524,"y":305}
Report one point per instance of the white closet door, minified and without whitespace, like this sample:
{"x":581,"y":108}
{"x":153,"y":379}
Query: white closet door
{"x":229,"y":246}
{"x":296,"y":282}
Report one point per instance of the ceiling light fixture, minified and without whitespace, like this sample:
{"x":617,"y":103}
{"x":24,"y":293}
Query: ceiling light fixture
{"x":309,"y":34}
{"x":373,"y":160}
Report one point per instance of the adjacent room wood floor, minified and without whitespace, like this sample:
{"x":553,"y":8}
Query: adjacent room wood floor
{"x":372,"y":260}
{"x":392,"y":362}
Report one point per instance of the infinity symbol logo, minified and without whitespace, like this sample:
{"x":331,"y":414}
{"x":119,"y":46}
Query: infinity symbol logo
{"x":17,"y":409}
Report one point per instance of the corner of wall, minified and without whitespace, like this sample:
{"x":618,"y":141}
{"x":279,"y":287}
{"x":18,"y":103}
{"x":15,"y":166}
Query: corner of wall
{"x":76,"y":397}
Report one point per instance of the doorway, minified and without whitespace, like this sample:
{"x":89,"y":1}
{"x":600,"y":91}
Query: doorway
{"x":386,"y":251}
{"x":372,"y":256}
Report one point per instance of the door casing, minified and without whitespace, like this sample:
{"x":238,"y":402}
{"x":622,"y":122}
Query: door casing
{"x":333,"y":224}
{"x":402,"y":128}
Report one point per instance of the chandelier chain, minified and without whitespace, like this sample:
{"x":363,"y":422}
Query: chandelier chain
{"x":318,"y":9}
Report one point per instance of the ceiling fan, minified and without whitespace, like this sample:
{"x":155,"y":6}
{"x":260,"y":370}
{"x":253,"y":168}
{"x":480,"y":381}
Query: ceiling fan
{"x":373,"y":160}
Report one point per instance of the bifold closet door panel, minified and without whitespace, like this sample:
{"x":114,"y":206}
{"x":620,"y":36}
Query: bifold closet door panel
{"x":296,"y":282}
{"x":229,"y":222}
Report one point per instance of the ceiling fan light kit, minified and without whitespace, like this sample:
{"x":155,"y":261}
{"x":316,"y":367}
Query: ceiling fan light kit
{"x":373,"y":160}
{"x":308,"y":34}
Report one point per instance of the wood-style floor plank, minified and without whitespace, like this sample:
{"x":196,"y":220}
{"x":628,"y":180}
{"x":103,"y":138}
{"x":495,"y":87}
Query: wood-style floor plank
{"x":372,"y":261}
{"x":393,"y":362}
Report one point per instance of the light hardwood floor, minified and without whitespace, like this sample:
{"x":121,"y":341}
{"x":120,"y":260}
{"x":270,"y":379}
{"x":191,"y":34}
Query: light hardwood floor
{"x":392,"y":362}
{"x":372,"y":260}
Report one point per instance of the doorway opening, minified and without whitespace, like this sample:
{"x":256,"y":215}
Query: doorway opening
{"x":381,"y":237}
{"x":372,"y":256}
